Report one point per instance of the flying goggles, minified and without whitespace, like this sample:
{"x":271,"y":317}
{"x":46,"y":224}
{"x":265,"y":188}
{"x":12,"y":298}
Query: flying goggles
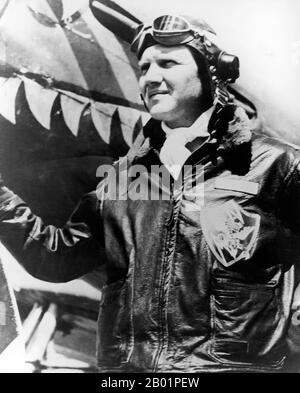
{"x":172,"y":30}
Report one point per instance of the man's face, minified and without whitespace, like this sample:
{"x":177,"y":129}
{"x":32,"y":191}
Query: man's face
{"x":170,"y":85}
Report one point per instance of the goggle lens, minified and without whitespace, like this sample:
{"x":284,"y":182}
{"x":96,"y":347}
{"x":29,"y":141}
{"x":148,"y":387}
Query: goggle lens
{"x":169,"y":25}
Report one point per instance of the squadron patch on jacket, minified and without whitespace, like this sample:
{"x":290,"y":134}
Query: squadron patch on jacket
{"x":230,"y":231}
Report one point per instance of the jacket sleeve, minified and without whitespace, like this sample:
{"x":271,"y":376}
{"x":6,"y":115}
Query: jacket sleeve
{"x":291,"y":209}
{"x":290,"y":205}
{"x":50,"y":253}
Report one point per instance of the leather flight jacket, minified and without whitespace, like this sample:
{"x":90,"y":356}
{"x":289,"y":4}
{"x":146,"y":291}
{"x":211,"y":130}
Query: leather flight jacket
{"x":202,"y":280}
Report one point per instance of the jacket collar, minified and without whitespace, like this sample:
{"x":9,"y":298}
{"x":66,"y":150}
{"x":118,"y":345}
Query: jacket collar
{"x":235,"y":149}
{"x":154,"y":132}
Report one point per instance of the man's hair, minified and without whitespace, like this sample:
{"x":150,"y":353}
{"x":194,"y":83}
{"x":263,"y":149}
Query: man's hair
{"x":205,"y":78}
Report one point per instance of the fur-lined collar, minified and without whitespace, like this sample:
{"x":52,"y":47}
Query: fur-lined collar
{"x":235,"y":146}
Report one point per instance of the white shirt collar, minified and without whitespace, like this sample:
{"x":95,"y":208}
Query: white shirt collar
{"x":174,"y":153}
{"x":197,"y":129}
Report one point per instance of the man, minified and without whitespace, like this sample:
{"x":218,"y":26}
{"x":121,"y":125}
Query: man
{"x":201,"y":273}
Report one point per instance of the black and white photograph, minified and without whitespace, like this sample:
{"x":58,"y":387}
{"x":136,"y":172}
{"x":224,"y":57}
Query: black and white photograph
{"x":149,"y":188}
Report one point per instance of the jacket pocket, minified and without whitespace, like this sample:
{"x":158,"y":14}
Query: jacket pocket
{"x":245,"y":321}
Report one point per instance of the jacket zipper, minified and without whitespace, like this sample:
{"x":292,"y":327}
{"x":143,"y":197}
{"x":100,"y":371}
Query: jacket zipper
{"x":165,"y":275}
